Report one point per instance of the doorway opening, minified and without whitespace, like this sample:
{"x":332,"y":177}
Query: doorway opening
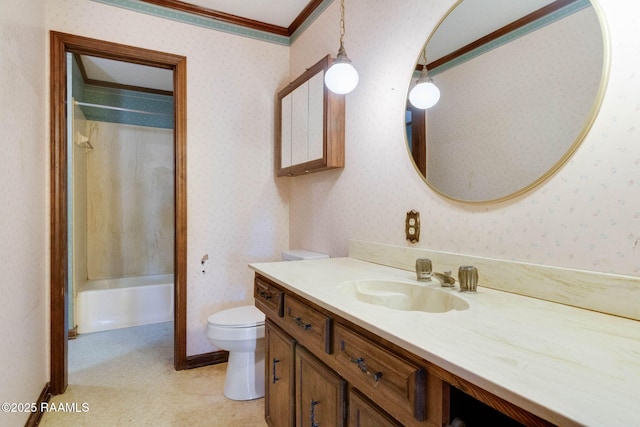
{"x":61,"y":45}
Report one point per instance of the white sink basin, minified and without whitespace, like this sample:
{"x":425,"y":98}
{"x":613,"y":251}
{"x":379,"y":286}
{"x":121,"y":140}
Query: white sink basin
{"x":403,"y":296}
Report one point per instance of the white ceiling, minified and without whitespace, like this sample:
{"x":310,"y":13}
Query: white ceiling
{"x":493,"y":14}
{"x":448,"y":37}
{"x":277,"y":12}
{"x":127,"y":73}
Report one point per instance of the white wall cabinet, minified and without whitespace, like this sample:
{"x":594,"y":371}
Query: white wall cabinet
{"x":309,"y":125}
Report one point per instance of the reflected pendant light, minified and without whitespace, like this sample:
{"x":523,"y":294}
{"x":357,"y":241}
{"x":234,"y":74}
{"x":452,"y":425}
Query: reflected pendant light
{"x":341,"y":77}
{"x":424,"y":94}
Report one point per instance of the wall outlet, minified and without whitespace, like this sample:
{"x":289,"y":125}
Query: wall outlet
{"x":412,"y":226}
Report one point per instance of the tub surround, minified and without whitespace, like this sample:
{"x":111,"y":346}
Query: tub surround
{"x":129,"y":201}
{"x":568,"y":365}
{"x":124,"y":302}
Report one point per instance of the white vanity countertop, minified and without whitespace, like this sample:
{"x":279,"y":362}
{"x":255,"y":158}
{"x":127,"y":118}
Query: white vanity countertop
{"x":568,"y":365}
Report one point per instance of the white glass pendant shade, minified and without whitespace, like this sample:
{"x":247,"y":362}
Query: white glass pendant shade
{"x":424,"y":95}
{"x":341,"y":78}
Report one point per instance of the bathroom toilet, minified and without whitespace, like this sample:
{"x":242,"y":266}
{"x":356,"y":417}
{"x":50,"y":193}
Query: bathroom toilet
{"x":240,"y":331}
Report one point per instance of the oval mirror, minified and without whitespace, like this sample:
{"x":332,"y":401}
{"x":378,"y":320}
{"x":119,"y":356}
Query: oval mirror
{"x":519,"y":90}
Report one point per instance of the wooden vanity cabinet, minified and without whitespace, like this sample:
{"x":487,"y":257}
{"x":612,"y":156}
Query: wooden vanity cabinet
{"x":477,"y":407}
{"x":279,"y":379}
{"x":268,"y":297}
{"x":364,"y":413}
{"x":309,"y":124}
{"x":320,"y":393}
{"x":328,"y":356}
{"x":299,"y":389}
{"x":387,"y":379}
{"x":475,"y":413}
{"x":311,"y":327}
{"x":324,"y":370}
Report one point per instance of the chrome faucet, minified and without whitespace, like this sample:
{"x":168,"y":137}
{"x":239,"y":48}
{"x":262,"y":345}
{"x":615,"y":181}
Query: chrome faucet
{"x":467,"y":275}
{"x":446,"y":280}
{"x":424,"y":272}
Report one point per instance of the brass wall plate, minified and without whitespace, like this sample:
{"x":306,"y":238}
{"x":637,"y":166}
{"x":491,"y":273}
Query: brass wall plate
{"x":412,"y":226}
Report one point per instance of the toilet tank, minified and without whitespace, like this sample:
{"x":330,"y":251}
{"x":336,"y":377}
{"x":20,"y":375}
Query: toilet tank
{"x":299,"y":254}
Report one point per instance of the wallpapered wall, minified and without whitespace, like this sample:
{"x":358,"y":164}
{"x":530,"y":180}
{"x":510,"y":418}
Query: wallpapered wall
{"x":587,"y":216}
{"x":23,"y":221}
{"x":237,"y":212}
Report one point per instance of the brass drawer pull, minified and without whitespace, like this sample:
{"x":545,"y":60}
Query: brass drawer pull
{"x":299,"y":322}
{"x":363,"y":367}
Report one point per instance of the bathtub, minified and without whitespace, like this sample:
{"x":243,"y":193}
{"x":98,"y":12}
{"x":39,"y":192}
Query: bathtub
{"x":119,"y":303}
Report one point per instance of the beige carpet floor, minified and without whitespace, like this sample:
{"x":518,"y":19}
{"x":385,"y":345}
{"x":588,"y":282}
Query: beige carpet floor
{"x":125,"y":377}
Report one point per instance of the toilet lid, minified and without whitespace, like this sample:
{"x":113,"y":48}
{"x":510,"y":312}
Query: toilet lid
{"x":238,"y":317}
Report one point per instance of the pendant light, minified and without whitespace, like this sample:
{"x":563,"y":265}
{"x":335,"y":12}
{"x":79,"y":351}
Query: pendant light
{"x":424,"y":94}
{"x":341,"y":77}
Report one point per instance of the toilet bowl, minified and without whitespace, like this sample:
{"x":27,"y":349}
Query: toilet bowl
{"x":240,"y":331}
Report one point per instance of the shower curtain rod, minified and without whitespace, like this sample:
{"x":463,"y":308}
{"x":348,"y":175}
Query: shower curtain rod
{"x":128,"y":110}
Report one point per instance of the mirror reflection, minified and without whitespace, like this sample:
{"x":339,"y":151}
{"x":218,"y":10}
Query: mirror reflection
{"x":519,"y":90}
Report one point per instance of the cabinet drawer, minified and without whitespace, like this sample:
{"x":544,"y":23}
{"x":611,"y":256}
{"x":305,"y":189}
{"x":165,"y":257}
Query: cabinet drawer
{"x":396,"y":385}
{"x":308,"y":326}
{"x":268,"y":297}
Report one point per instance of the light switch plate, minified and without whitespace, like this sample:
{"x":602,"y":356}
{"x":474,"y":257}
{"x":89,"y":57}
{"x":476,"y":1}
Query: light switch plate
{"x":412,"y":226}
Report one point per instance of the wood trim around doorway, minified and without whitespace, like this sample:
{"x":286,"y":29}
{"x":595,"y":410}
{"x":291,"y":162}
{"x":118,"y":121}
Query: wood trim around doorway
{"x":60,"y":45}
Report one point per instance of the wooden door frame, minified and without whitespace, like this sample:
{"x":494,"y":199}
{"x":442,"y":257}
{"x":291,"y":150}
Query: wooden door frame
{"x":60,"y":45}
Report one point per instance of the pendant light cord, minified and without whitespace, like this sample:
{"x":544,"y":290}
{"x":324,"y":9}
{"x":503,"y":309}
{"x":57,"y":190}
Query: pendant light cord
{"x":341,"y":77}
{"x":341,"y":22}
{"x":424,"y":56}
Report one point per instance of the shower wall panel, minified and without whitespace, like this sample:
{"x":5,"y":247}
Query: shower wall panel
{"x":79,"y":210}
{"x":130,"y":195}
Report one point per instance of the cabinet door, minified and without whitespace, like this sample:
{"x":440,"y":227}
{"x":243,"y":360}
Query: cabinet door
{"x":320,"y":393}
{"x":285,"y":131}
{"x":316,"y":117}
{"x":364,"y":413}
{"x":279,"y":370}
{"x":309,"y":124}
{"x":300,"y":124}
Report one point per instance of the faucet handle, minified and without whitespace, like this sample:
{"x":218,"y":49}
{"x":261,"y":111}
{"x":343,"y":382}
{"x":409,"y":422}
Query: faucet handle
{"x":423,"y":269}
{"x":468,"y":278}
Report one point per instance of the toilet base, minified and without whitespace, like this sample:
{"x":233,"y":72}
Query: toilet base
{"x":244,"y":379}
